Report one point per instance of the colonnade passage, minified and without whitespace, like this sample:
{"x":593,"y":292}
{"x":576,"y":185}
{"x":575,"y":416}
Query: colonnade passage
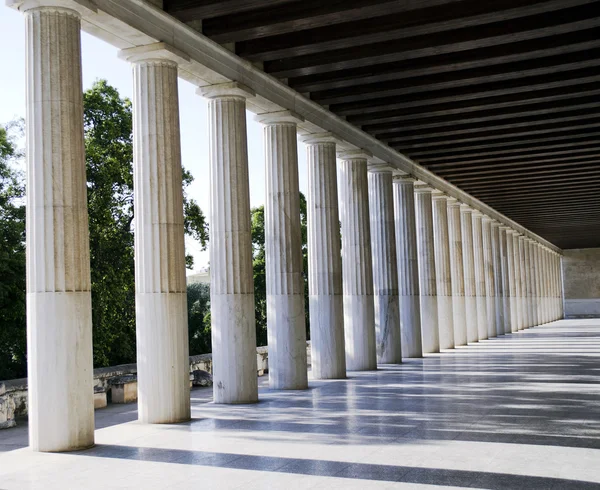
{"x":419,"y":271}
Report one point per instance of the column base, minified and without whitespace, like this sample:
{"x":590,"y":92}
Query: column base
{"x":359,"y":329}
{"x":430,"y":335}
{"x":387,"y":312}
{"x":410,"y":326}
{"x":459,"y":320}
{"x":328,"y":354}
{"x":446,"y":322}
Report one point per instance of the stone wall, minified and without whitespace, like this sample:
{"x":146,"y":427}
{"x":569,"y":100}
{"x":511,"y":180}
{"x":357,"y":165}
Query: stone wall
{"x":581,"y":280}
{"x":13,"y":393}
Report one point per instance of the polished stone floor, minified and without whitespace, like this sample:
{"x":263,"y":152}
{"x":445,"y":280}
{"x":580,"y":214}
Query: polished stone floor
{"x":521,"y":411}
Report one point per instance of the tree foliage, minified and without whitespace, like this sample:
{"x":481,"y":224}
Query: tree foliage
{"x":198,"y":301}
{"x":13,"y":348}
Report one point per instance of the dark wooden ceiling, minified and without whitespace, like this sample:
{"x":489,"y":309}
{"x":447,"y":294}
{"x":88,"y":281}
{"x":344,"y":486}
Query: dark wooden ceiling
{"x":501,"y":98}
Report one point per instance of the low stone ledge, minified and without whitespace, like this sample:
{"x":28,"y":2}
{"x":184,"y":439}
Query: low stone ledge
{"x":120,"y":381}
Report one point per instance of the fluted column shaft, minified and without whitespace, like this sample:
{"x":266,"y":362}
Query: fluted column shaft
{"x":505,"y":267}
{"x":559,"y":288}
{"x":457,"y":273}
{"x":357,"y":266}
{"x":480,"y":272}
{"x":512,"y":282}
{"x":385,"y":266}
{"x":466,"y":223}
{"x":538,"y":283}
{"x":523,"y":285}
{"x":497,"y":275}
{"x":161,"y":301}
{"x":328,"y":355}
{"x":232,"y":287}
{"x":408,"y":266}
{"x":518,"y":283}
{"x":490,"y":283}
{"x":442,"y":271}
{"x":427,"y":281}
{"x":528,"y":285}
{"x":545,"y":306}
{"x":286,"y":318}
{"x":59,"y":311}
{"x":534,"y":285}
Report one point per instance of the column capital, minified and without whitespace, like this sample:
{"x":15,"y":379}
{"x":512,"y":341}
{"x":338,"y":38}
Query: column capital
{"x":359,"y":154}
{"x":154,"y":52}
{"x":80,"y":6}
{"x":401,"y":178}
{"x":478,"y":214}
{"x":316,"y":138}
{"x":378,"y":167}
{"x":229,"y":89}
{"x":452,"y":201}
{"x":279,"y":117}
{"x":422,"y":187}
{"x":437,"y":194}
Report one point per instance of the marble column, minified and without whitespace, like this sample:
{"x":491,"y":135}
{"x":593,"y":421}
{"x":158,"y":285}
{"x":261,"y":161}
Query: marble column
{"x":231,"y":282}
{"x":357,"y":266}
{"x":523,"y":283}
{"x":457,"y":273}
{"x":504,"y":238}
{"x":59,"y":309}
{"x":385,"y":265}
{"x":466,"y":224}
{"x":325,"y":300}
{"x":286,"y":316}
{"x":518,"y":284}
{"x":490,"y":284}
{"x":408,"y":266}
{"x":538,"y":283}
{"x":442,"y":270}
{"x":427,"y":281}
{"x":497,"y":272}
{"x":160,"y":286}
{"x":533,"y":278}
{"x":512,"y":283}
{"x":544,"y":271}
{"x":480,"y":288}
{"x":528,"y":285}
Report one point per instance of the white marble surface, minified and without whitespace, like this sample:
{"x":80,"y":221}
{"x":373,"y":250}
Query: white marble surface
{"x":408,"y":266}
{"x":231,"y":286}
{"x":523,"y":282}
{"x":161,"y":299}
{"x":286,"y":318}
{"x":448,"y":420}
{"x":430,"y":335}
{"x":357,"y":266}
{"x":470,"y":289}
{"x":59,"y":311}
{"x":385,"y":266}
{"x":328,"y":354}
{"x":490,"y":283}
{"x":457,"y":273}
{"x":498,"y":285}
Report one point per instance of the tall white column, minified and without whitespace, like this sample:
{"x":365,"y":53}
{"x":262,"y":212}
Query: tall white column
{"x":497,"y":273}
{"x":505,"y":268}
{"x":59,"y":309}
{"x":528,"y":286}
{"x":442,"y":270}
{"x":544,"y":270}
{"x":231,"y":282}
{"x":427,"y":282}
{"x":408,"y":266}
{"x":523,"y":283}
{"x":518,"y":285}
{"x":385,"y":265}
{"x":457,"y":272}
{"x":357,"y":266}
{"x":533,"y":278}
{"x":325,"y":300}
{"x":559,"y":289}
{"x":466,"y":223}
{"x":479,"y":263}
{"x":160,"y":296}
{"x":538,"y":285}
{"x":490,"y":285}
{"x":286,"y":317}
{"x":512,"y":284}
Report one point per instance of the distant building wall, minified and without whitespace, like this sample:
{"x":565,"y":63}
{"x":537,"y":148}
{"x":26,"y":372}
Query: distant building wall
{"x":202,"y":277}
{"x":581,"y":280}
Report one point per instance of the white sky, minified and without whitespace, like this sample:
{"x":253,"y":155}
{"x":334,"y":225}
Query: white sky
{"x":100,"y":61}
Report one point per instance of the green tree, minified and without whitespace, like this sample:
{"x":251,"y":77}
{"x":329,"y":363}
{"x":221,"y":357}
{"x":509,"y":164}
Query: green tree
{"x":258,"y":255}
{"x":198,"y":301}
{"x":109,"y":160}
{"x":13,"y":348}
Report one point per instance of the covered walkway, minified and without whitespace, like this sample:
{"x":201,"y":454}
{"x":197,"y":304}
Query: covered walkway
{"x":516,"y":411}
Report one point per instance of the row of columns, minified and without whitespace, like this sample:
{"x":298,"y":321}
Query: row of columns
{"x":418,"y":271}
